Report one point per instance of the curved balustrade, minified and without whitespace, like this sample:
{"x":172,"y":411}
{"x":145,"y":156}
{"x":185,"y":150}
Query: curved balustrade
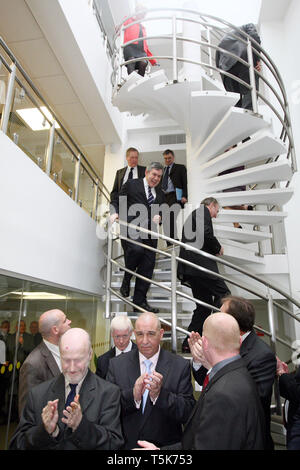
{"x":52,"y":148}
{"x":211,"y":30}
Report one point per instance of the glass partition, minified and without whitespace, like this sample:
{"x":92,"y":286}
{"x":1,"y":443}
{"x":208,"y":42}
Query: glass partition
{"x":63,"y":165}
{"x":86,"y":194}
{"x":27,"y":127}
{"x":21,"y":304}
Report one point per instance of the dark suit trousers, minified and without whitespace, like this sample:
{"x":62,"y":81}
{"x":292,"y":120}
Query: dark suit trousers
{"x":169,"y":226}
{"x":242,"y":72}
{"x":142,"y":261}
{"x":210,"y":291}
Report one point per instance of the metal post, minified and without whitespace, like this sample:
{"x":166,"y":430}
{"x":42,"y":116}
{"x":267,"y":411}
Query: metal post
{"x":252,"y":76}
{"x":95,"y":205}
{"x":174,"y":299}
{"x":273,"y":347}
{"x":76,"y":179}
{"x":49,"y":154}
{"x":8,"y":99}
{"x":119,"y":74}
{"x":210,"y":59}
{"x":108,"y":271}
{"x":174,"y":34}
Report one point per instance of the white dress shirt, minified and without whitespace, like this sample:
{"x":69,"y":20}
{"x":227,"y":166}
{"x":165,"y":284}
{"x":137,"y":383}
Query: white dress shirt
{"x":143,"y":370}
{"x":134,"y":174}
{"x":146,"y":186}
{"x":127,"y":349}
{"x":54,"y":349}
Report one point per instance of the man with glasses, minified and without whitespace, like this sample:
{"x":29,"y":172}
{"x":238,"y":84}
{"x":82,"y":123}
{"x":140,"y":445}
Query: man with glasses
{"x":121,"y":330}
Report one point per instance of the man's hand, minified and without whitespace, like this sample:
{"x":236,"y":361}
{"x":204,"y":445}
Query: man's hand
{"x":113,"y":218}
{"x":282,"y":367}
{"x":183,"y":200}
{"x":195,"y":344}
{"x":156,"y":219}
{"x":154,"y":383}
{"x":146,"y":446}
{"x":258,"y":66}
{"x":50,"y":416}
{"x":221,"y":252}
{"x":73,"y":414}
{"x":139,"y":388}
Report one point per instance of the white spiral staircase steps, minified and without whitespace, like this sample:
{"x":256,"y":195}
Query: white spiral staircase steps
{"x":212,"y":125}
{"x":259,"y":148}
{"x":268,"y":173}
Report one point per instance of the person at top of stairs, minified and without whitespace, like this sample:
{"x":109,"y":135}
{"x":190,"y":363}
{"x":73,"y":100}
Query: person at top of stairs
{"x":137,"y":49}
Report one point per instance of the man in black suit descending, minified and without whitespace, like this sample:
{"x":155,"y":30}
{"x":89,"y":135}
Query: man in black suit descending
{"x":256,"y":354}
{"x":132,"y":171}
{"x":156,"y":388}
{"x":174,"y":185}
{"x":228,"y":414}
{"x":121,"y":330}
{"x":139,"y":203}
{"x":205,"y":286}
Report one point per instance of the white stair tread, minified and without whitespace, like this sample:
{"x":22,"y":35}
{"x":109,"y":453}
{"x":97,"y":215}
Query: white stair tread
{"x":237,"y":256}
{"x":136,"y":97}
{"x":260,"y":147}
{"x":251,"y":217}
{"x":207,"y":109}
{"x":277,"y":196}
{"x":277,"y":171}
{"x":241,"y":235}
{"x":237,"y":125}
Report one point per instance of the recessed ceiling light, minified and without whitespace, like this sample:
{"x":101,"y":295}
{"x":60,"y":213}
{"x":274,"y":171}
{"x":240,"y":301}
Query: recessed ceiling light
{"x":39,"y":295}
{"x":34,"y":118}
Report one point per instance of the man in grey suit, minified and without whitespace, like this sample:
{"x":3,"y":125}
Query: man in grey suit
{"x":43,"y":363}
{"x":76,"y":410}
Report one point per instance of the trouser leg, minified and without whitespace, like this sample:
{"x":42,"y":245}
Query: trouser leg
{"x":145,"y":268}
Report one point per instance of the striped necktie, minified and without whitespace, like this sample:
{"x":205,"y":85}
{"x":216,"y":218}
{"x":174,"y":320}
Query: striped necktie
{"x":150,"y":198}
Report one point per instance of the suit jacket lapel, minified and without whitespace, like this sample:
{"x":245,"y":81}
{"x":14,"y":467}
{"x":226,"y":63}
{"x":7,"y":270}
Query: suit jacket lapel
{"x":121,"y":176}
{"x":86,"y":394}
{"x":49,"y":359}
{"x":58,"y":390}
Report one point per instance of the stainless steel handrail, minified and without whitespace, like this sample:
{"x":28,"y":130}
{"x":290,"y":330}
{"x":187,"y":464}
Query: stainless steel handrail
{"x":211,"y":26}
{"x":96,"y":179}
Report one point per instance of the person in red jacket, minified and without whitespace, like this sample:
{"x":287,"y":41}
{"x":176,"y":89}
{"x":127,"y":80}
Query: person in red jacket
{"x":136,"y":49}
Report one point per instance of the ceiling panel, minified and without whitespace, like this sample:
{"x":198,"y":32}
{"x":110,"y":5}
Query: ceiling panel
{"x":17,"y":22}
{"x":57,"y":89}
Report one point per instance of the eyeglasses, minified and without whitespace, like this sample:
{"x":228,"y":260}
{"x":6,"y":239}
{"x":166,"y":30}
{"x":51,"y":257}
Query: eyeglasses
{"x":121,"y":336}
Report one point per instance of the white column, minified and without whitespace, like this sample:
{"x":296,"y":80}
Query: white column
{"x":191,"y":51}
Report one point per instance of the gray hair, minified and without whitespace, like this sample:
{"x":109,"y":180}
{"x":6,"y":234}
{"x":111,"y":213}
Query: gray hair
{"x":155,"y":166}
{"x":121,"y":322}
{"x":210,"y":200}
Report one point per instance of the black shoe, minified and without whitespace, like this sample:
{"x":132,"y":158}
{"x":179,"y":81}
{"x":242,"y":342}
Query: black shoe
{"x":147,"y":307}
{"x":125,"y":288}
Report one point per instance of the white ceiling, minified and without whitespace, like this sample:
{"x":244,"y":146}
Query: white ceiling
{"x":25,"y":38}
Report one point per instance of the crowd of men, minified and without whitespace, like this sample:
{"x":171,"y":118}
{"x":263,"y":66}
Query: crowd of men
{"x":141,"y":395}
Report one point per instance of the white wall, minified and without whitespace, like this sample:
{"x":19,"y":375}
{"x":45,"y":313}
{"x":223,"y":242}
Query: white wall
{"x":44,"y":235}
{"x":281,"y":39}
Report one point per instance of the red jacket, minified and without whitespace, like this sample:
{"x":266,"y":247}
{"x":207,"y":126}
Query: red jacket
{"x":133,"y":32}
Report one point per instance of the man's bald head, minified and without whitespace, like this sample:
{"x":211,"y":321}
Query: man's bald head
{"x":53,"y":324}
{"x":221,"y":337}
{"x":75,"y":353}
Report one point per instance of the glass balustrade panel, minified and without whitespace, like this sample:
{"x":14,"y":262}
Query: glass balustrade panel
{"x":63,"y":165}
{"x":86,"y":192}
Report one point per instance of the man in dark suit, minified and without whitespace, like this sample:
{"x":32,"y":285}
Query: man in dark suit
{"x":228,"y":414}
{"x":236,"y":43}
{"x":156,"y":389}
{"x":131,"y":171}
{"x":205,"y":287}
{"x":256,"y":354}
{"x":289,"y":386}
{"x":74,"y":411}
{"x":121,"y":331}
{"x":139,"y":203}
{"x":43,"y":363}
{"x":174,"y":185}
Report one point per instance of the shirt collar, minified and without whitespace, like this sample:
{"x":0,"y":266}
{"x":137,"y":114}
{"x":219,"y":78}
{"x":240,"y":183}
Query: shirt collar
{"x":127,"y":349}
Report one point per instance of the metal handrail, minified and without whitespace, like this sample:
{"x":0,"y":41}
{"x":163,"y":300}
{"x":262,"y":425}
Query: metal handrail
{"x":209,"y":26}
{"x":88,"y":168}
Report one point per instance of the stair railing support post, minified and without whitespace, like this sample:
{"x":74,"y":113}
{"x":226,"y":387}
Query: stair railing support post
{"x":252,"y":77}
{"x":174,"y":299}
{"x":108,"y":271}
{"x":50,"y":148}
{"x":76,"y":179}
{"x":8,"y":99}
{"x":273,"y":347}
{"x":174,"y":34}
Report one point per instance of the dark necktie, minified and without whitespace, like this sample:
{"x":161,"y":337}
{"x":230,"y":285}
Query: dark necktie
{"x":71,"y":395}
{"x":165,"y":179}
{"x":150,"y":198}
{"x":130,"y":176}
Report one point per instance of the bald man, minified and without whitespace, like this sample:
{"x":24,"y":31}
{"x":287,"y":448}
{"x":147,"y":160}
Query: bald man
{"x":228,"y":415}
{"x":43,"y":363}
{"x":76,"y":410}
